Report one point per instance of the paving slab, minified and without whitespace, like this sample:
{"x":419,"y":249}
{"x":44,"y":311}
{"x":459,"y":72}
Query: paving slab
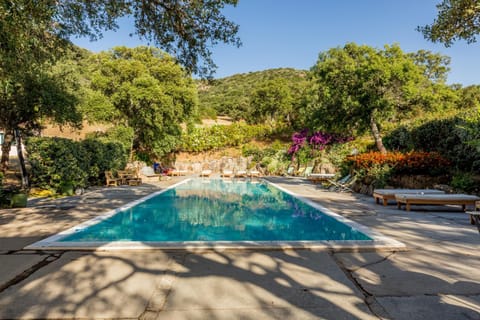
{"x":264,"y":284}
{"x":13,"y":265}
{"x":415,"y":273}
{"x":87,"y":285}
{"x":324,"y":312}
{"x":432,"y":307}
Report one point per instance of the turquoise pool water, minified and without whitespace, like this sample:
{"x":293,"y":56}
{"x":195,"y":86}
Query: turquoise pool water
{"x":219,"y":210}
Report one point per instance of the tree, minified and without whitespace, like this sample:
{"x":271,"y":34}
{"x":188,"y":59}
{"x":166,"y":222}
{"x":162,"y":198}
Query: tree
{"x":29,"y":95}
{"x":34,"y":34}
{"x":151,"y":92}
{"x":271,"y":102}
{"x":457,"y":19}
{"x":186,"y":29}
{"x":359,"y":88}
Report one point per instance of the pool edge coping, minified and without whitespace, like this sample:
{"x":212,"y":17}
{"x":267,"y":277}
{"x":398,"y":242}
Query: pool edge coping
{"x":379,"y":241}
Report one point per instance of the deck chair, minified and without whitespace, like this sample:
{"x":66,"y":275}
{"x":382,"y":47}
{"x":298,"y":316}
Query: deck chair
{"x":290,"y":171}
{"x":308,"y":171}
{"x":300,"y":171}
{"x":343,"y":184}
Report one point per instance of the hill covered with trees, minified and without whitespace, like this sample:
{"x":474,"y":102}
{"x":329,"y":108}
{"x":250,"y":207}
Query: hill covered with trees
{"x":240,"y":95}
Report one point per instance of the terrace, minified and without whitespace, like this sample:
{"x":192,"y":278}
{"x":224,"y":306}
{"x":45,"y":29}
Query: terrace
{"x":436,"y":277}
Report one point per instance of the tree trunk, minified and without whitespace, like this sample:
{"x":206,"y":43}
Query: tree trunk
{"x":6,"y":146}
{"x":21,"y":159}
{"x":377,"y":136}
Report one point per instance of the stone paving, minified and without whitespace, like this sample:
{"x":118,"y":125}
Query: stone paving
{"x":438,"y":277}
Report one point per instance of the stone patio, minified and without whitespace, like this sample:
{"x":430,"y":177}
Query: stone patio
{"x":438,"y":276}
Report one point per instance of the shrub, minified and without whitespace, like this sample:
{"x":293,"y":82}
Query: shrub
{"x":429,"y":163}
{"x":103,"y":157}
{"x":220,"y":136}
{"x":273,"y":159}
{"x":62,"y":164}
{"x":56,"y":161}
{"x":464,"y":182}
{"x":450,"y":137}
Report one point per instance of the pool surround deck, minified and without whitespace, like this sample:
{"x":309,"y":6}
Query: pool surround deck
{"x":436,"y":278}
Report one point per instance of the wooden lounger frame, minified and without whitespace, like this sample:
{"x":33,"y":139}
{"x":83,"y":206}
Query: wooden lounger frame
{"x":383,"y":197}
{"x":391,"y":196}
{"x":410,"y":201}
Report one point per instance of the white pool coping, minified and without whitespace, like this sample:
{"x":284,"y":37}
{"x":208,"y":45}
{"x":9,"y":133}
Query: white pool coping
{"x":378,"y":242}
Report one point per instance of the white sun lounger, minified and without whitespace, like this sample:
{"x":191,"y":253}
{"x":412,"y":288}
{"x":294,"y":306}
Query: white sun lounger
{"x":433,"y":199}
{"x":320,"y":177}
{"x":227,"y":173}
{"x":389,"y":194}
{"x":206,"y":173}
{"x":254,"y":173}
{"x":240,"y":174}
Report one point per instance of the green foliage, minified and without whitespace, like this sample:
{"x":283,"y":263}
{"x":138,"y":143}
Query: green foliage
{"x":465,"y":182}
{"x":378,"y":175}
{"x":103,"y":156}
{"x":187,"y":29}
{"x":450,"y":137}
{"x":274,"y":159}
{"x":55,"y":161}
{"x":220,"y":136}
{"x":271,"y":101}
{"x":457,"y":19}
{"x":359,"y":88}
{"x":152,"y":94}
{"x":62,"y":164}
{"x":232,"y":96}
{"x":118,"y":134}
{"x":18,"y":200}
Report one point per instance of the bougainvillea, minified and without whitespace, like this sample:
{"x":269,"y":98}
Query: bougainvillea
{"x":318,"y":140}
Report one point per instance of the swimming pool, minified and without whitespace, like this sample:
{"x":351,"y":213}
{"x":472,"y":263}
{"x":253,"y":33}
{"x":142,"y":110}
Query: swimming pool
{"x":214,"y":211}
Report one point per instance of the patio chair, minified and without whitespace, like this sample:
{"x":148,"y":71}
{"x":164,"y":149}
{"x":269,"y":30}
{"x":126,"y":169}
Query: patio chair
{"x":111,"y":180}
{"x":290,"y":171}
{"x":343,"y":184}
{"x":308,"y":171}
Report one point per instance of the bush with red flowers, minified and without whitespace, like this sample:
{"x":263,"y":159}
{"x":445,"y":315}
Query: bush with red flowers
{"x":427,"y":163}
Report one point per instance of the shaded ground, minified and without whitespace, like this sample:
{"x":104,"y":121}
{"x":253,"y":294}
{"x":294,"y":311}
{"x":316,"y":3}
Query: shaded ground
{"x":438,"y":277}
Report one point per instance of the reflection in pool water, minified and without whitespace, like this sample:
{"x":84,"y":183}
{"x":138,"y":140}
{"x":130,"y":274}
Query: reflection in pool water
{"x":218,"y":210}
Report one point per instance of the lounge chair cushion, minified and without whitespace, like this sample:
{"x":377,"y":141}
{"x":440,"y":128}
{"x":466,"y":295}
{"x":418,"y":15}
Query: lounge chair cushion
{"x":407,"y":191}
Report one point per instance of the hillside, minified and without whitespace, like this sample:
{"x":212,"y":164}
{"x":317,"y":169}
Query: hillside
{"x":230,"y":96}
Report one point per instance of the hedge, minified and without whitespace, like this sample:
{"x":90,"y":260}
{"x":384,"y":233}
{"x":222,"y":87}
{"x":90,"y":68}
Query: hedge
{"x":449,"y":137}
{"x":58,"y":162}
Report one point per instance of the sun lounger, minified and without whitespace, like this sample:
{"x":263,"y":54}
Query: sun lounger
{"x":254,"y":173}
{"x":320,"y":177}
{"x":148,"y":175}
{"x":475,"y":215}
{"x":433,"y":199}
{"x":227,"y":174}
{"x":206,"y":173}
{"x":343,"y":184}
{"x":178,"y":172}
{"x":240,"y":174}
{"x":389,"y":194}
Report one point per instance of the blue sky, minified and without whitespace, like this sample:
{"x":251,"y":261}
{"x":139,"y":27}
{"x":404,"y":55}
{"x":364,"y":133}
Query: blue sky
{"x":291,"y":33}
